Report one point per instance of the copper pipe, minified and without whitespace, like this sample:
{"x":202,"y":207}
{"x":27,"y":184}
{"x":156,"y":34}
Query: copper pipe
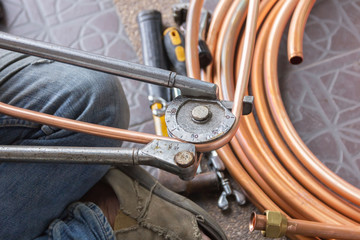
{"x":308,"y":159}
{"x":246,"y":60}
{"x":275,"y":166}
{"x":245,"y":69}
{"x":234,"y":146}
{"x":269,"y":190}
{"x":78,"y":126}
{"x":257,"y":196}
{"x":191,"y":42}
{"x":146,"y":138}
{"x":95,"y":129}
{"x":132,"y":136}
{"x":226,"y":45}
{"x":308,"y":228}
{"x":228,"y":155}
{"x":214,"y":28}
{"x":296,"y":31}
{"x":257,"y":177}
{"x":275,"y":140}
{"x":252,"y":148}
{"x":245,"y":157}
{"x":264,"y":9}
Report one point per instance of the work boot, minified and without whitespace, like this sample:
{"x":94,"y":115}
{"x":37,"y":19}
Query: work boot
{"x":150,"y":211}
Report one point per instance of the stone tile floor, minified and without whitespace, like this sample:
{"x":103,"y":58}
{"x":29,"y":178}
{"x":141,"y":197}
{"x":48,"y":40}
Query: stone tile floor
{"x":321,"y":95}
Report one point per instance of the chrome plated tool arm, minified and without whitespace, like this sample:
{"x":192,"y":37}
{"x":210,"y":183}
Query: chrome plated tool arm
{"x":188,"y":86}
{"x":175,"y":157}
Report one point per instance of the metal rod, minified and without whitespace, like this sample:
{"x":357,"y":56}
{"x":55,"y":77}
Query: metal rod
{"x":54,"y":154}
{"x":189,"y":86}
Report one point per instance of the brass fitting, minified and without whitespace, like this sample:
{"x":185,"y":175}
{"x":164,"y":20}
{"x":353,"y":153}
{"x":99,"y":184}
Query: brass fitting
{"x":276,"y":224}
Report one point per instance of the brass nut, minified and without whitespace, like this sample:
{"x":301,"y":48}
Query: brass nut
{"x":276,"y":224}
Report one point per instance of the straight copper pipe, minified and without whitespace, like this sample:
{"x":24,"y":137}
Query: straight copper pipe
{"x":191,"y":42}
{"x":225,"y":53}
{"x":308,"y":228}
{"x":78,"y":126}
{"x":214,"y":28}
{"x":296,"y":31}
{"x":246,"y":60}
{"x":264,"y":9}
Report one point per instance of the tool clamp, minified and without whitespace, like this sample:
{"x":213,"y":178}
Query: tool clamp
{"x":195,"y":117}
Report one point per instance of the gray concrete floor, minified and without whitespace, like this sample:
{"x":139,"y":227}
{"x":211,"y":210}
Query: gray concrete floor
{"x":321,"y":95}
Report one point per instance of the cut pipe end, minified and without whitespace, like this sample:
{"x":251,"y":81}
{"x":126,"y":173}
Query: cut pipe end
{"x":296,"y":59}
{"x":257,"y":222}
{"x":252,"y":222}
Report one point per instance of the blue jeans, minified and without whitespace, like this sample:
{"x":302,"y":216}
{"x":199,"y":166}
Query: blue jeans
{"x":37,"y":200}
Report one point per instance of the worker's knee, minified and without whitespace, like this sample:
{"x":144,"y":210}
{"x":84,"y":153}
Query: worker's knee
{"x":96,"y":97}
{"x":68,"y":91}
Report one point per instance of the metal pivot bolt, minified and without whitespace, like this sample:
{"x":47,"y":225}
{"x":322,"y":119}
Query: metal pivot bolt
{"x":200,"y":113}
{"x":184,"y":159}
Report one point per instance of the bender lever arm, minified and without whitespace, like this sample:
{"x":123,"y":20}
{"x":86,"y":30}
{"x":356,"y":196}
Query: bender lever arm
{"x":189,"y":87}
{"x":175,"y":157}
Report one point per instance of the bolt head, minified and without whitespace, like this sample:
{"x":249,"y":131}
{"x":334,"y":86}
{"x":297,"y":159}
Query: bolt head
{"x":184,"y":159}
{"x":200,"y":113}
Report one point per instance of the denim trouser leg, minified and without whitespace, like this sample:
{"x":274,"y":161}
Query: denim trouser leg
{"x":33,"y":195}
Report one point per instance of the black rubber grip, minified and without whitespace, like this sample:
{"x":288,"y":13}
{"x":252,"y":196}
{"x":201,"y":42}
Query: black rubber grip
{"x":150,"y":26}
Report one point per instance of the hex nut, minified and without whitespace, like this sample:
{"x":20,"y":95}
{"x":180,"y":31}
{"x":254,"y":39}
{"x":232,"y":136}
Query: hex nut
{"x":184,"y":159}
{"x":276,"y":224}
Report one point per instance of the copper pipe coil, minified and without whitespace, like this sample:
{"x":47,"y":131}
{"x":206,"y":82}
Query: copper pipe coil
{"x":283,"y":153}
{"x":274,"y":27}
{"x":240,"y":136}
{"x":226,"y":43}
{"x":292,"y":186}
{"x":245,"y":157}
{"x":230,"y":159}
{"x":280,"y":148}
{"x":227,"y":61}
{"x":308,"y":228}
{"x":307,"y":158}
